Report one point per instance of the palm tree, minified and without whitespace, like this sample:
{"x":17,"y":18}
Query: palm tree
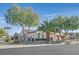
{"x":46,"y":27}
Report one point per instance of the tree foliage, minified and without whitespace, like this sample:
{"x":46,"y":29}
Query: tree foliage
{"x":2,"y":32}
{"x":23,"y":17}
{"x":59,"y":24}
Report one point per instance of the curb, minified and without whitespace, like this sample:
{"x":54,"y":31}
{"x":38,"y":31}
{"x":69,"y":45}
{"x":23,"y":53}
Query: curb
{"x":19,"y":46}
{"x":38,"y":45}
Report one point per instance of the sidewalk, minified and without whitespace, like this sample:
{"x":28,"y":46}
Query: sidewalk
{"x":19,"y":46}
{"x":30,"y":45}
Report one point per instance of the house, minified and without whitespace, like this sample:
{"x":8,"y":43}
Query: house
{"x":35,"y":34}
{"x":38,"y":34}
{"x":32,"y":34}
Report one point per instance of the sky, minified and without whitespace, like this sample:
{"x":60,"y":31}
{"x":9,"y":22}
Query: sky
{"x":45,"y":10}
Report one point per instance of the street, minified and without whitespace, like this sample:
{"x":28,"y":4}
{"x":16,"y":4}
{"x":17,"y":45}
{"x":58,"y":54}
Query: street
{"x":43,"y":50}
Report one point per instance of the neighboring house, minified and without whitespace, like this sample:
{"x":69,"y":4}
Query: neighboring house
{"x":33,"y":34}
{"x":38,"y":34}
{"x":73,"y":36}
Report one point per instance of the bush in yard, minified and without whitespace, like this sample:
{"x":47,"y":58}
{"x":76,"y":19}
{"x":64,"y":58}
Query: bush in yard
{"x":11,"y":41}
{"x":67,"y":40}
{"x":16,"y":41}
{"x":8,"y":40}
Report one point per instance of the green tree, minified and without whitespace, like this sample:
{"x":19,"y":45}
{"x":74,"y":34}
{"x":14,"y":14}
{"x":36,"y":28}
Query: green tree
{"x":58,"y":22}
{"x":22,"y":17}
{"x":32,"y":18}
{"x":2,"y":32}
{"x":66,"y":24}
{"x":57,"y":25}
{"x":15,"y":16}
{"x":70,"y":24}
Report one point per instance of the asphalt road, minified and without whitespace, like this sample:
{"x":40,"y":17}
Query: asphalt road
{"x":44,"y":50}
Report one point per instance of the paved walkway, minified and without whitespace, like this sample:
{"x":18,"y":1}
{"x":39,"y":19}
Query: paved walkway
{"x":30,"y":45}
{"x":19,"y":46}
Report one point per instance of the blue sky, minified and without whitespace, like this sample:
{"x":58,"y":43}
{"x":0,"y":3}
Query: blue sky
{"x":45,"y":10}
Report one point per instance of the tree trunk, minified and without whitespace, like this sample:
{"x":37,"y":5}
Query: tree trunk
{"x":48,"y":36}
{"x":42,"y":35}
{"x":28,"y":27}
{"x":28,"y":31}
{"x":24,"y":38}
{"x":57,"y":37}
{"x":61,"y":36}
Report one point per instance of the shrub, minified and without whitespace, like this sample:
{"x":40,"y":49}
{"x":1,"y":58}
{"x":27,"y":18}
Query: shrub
{"x":56,"y":42}
{"x":11,"y":41}
{"x":7,"y":39}
{"x":16,"y":41}
{"x":68,"y":41}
